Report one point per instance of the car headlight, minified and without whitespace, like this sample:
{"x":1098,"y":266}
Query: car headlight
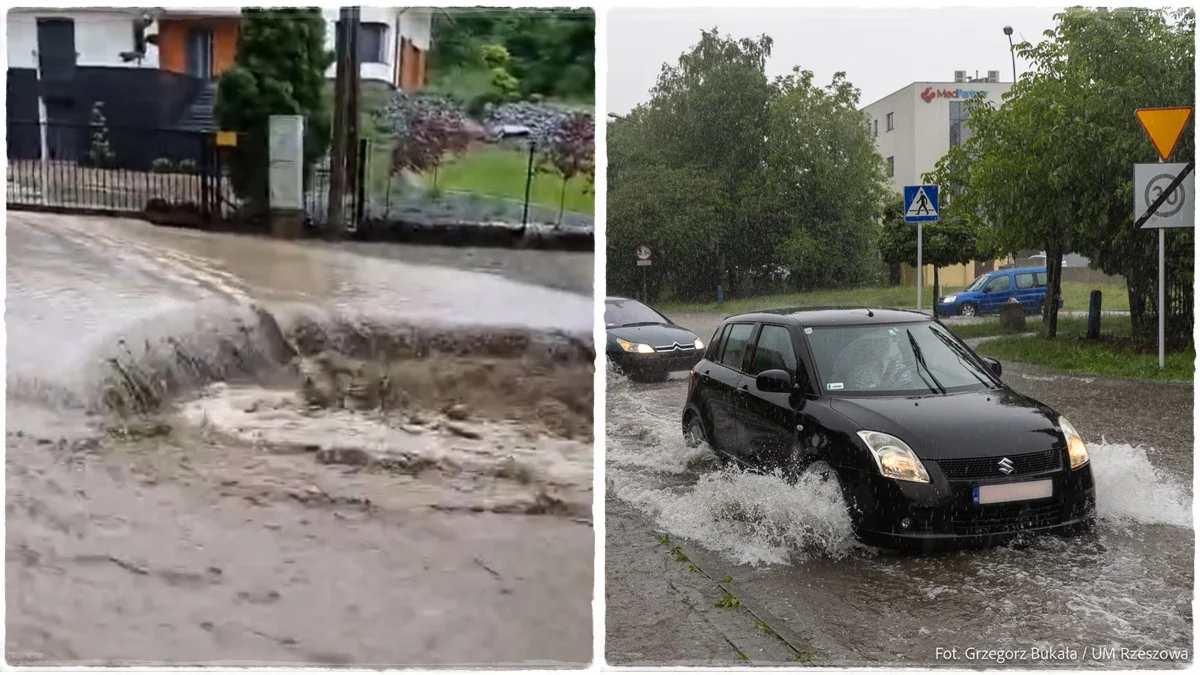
{"x":1076,"y":448}
{"x":894,"y":458}
{"x":635,"y":347}
{"x":699,"y":344}
{"x":950,"y":298}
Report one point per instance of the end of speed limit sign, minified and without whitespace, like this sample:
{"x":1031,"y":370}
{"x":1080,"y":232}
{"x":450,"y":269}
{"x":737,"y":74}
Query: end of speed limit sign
{"x":1179,"y":208}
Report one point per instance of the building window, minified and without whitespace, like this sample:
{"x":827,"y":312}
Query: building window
{"x":890,"y":125}
{"x":891,"y":162}
{"x":876,"y":127}
{"x":371,"y":40}
{"x":959,"y":131}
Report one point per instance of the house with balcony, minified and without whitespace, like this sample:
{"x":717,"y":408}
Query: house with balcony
{"x":62,"y":61}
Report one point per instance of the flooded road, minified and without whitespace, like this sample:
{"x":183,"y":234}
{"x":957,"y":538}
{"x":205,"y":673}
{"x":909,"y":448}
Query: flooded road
{"x":787,"y":556}
{"x":235,"y":450}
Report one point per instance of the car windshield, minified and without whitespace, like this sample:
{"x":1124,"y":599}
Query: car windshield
{"x":978,"y":283}
{"x":630,"y":313}
{"x":894,"y":360}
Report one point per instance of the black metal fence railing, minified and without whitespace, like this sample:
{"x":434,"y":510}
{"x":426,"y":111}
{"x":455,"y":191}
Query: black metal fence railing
{"x":96,"y":168}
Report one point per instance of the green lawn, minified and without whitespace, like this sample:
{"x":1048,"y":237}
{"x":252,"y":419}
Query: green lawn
{"x":1072,"y":355}
{"x":1075,"y":297}
{"x":501,"y":172}
{"x":1118,"y":325}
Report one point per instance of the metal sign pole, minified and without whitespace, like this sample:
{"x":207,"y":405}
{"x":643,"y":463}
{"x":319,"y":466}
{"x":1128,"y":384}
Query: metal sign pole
{"x":920,"y":270}
{"x":1162,"y":303}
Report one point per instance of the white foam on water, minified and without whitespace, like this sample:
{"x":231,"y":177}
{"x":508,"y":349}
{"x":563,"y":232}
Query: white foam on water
{"x":751,"y":517}
{"x":760,"y":519}
{"x":1131,"y":490}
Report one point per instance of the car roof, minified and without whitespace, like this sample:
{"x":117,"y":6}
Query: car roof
{"x":833,"y":316}
{"x":1021,"y":270}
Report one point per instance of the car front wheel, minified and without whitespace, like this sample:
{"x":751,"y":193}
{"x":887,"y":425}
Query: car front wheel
{"x":968,"y":309}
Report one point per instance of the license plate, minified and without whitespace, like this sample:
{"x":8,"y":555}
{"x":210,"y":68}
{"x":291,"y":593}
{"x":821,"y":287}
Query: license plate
{"x":1013,"y":492}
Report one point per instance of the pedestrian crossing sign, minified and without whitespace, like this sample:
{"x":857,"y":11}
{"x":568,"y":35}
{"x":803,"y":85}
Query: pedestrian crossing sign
{"x":920,"y":203}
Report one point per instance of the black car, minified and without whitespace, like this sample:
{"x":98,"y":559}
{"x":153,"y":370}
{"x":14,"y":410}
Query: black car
{"x":928,"y":446}
{"x":644,"y":344}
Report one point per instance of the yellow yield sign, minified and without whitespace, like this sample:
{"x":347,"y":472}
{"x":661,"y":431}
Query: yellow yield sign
{"x":1164,"y":126}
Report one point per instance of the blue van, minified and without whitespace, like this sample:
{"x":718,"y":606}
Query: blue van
{"x":989,"y":291}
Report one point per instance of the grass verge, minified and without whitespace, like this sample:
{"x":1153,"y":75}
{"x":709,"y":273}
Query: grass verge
{"x":1071,"y":354}
{"x":1075,"y":297}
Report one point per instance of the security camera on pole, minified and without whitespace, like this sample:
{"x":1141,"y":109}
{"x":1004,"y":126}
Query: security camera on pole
{"x":920,"y":206}
{"x":1164,"y":195}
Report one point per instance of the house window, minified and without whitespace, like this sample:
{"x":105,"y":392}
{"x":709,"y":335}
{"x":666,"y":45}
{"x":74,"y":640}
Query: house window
{"x":890,"y":125}
{"x":876,"y":127}
{"x":891,"y":162}
{"x":371,"y":40}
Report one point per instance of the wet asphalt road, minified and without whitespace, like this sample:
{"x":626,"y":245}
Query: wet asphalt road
{"x":194,"y":545}
{"x":789,"y":560}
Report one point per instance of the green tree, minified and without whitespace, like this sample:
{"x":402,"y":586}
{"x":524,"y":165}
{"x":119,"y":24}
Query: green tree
{"x":100,"y":152}
{"x":1051,"y":168}
{"x":279,"y":70}
{"x":771,"y":175}
{"x":824,"y":182}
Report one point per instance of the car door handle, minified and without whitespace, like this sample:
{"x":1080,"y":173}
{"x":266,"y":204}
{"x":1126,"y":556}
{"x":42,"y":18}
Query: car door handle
{"x":743,"y":390}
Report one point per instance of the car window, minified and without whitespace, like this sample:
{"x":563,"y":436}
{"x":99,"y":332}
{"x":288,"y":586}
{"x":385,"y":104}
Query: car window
{"x":629,"y":313}
{"x":736,"y":341}
{"x":717,"y":343}
{"x":1025,"y":280}
{"x":881,"y":360}
{"x":1000,"y":283}
{"x":774,"y":351}
{"x":978,"y":283}
{"x":1041,"y":279}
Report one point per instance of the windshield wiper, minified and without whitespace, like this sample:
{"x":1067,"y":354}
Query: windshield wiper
{"x":921,"y":361}
{"x":959,"y":353}
{"x":641,"y":323}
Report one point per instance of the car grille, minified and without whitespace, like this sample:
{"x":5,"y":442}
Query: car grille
{"x":1006,"y":518}
{"x":675,"y":348}
{"x":987,"y":468}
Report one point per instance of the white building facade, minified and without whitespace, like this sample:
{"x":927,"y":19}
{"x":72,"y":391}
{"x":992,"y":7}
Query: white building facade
{"x":916,"y":126}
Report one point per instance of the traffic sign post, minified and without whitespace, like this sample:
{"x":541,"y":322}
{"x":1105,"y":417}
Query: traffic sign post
{"x":920,"y":206}
{"x":643,"y":254}
{"x":1163,"y":195}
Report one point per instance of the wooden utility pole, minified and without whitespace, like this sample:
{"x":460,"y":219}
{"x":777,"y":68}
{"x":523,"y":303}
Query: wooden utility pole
{"x":337,"y":163}
{"x":352,"y":108}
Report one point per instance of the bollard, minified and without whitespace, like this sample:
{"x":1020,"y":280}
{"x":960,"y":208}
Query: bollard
{"x":1093,"y":326}
{"x":720,"y":297}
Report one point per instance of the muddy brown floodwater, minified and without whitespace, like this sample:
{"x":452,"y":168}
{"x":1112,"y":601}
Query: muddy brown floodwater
{"x":721,"y":567}
{"x":229,"y":450}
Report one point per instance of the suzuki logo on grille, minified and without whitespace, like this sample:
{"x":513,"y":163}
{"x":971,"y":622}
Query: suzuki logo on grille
{"x":1006,"y":466}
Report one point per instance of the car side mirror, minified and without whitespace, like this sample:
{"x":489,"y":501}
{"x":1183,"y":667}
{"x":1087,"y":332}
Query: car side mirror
{"x":994,"y":365}
{"x":985,"y":289}
{"x":774,"y":381}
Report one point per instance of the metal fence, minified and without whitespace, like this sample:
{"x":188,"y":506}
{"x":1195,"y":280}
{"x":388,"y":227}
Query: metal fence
{"x":93,"y":168}
{"x":491,"y":183}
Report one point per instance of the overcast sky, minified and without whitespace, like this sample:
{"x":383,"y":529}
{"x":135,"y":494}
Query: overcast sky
{"x":881,"y":50}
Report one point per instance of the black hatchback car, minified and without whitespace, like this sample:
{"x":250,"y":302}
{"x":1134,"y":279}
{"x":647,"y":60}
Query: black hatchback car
{"x":927,"y":444}
{"x":644,"y":344}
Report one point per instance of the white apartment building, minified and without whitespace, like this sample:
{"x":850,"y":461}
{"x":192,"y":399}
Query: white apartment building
{"x":917,"y":125}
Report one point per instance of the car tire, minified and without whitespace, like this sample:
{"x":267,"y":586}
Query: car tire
{"x":968,"y":309}
{"x":693,"y":432}
{"x":1041,"y":307}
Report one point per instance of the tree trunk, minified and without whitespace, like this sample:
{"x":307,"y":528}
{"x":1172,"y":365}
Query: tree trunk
{"x":562,"y":203}
{"x":894,"y":274}
{"x":936,"y":285}
{"x":1054,"y":258}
